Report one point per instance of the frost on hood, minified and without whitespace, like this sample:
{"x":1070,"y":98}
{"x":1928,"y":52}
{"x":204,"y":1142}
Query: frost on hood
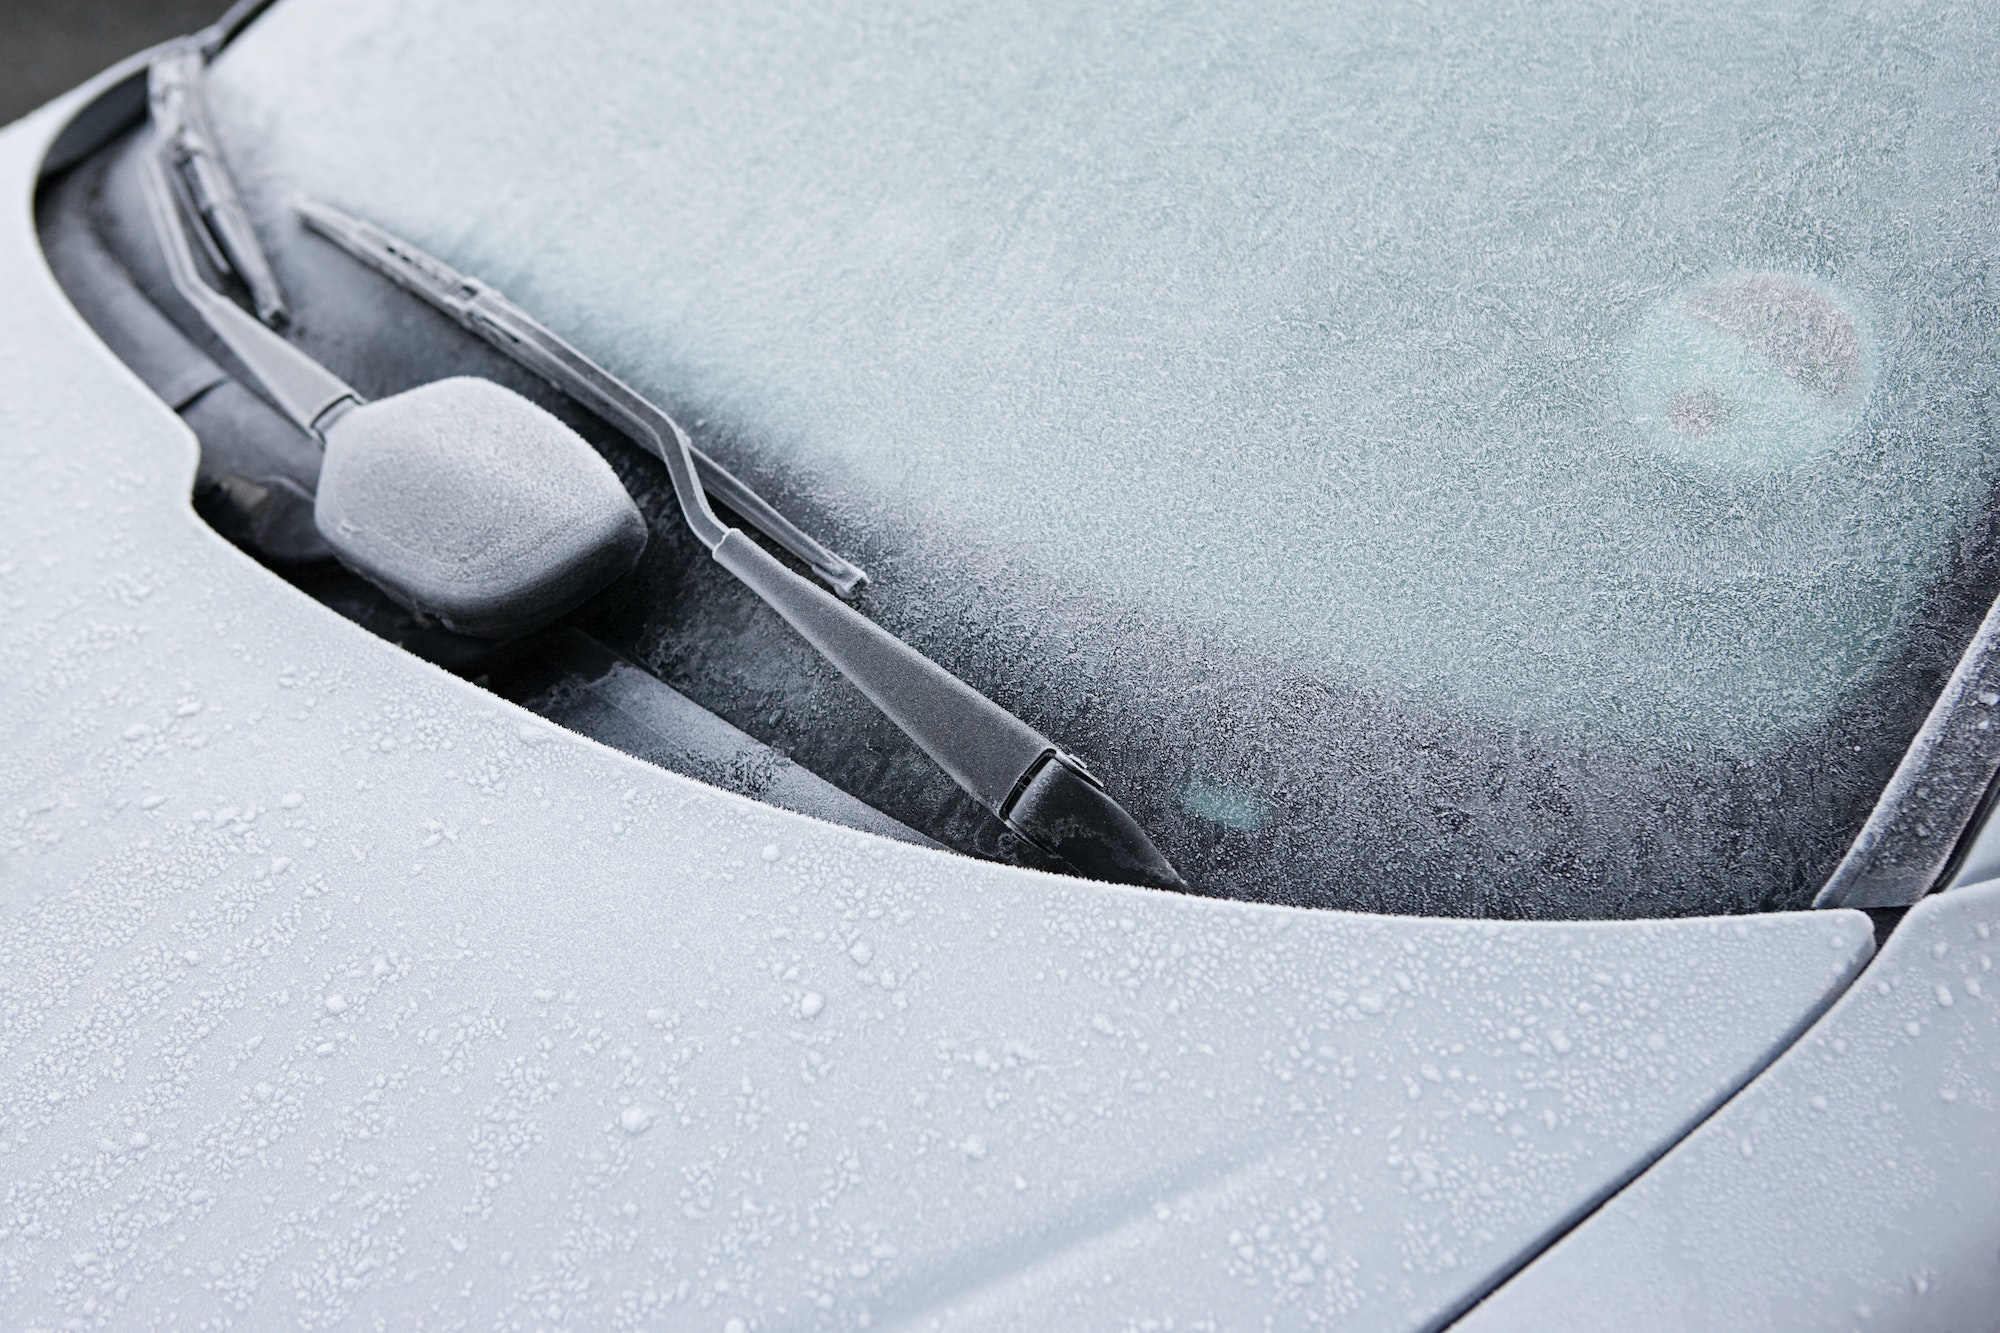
{"x":1856,"y":1184}
{"x":333,"y":989}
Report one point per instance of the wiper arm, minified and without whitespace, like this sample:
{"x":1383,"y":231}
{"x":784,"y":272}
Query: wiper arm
{"x":493,"y":317}
{"x":175,"y":88}
{"x":296,"y":385}
{"x":1047,"y":797}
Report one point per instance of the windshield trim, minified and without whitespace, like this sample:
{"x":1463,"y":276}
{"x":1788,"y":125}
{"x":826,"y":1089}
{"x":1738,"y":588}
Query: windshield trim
{"x":1922,"y":818}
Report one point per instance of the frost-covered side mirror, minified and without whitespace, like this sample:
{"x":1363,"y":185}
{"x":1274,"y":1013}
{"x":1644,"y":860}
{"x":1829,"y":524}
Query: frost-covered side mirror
{"x":465,"y":501}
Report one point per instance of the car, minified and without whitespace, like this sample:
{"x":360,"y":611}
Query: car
{"x":870,"y":666}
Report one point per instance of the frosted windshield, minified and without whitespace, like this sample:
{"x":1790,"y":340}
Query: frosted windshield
{"x":1616,"y":384}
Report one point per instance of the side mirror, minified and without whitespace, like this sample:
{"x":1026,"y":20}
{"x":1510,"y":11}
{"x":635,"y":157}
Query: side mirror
{"x":466,"y":502}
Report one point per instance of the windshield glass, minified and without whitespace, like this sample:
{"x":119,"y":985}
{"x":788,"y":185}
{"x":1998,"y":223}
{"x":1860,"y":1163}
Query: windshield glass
{"x":1435,"y":460}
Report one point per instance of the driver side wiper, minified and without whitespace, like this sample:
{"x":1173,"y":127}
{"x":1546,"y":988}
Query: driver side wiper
{"x":1044,"y":795}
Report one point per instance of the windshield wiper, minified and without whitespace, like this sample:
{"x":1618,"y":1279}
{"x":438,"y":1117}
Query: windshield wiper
{"x":1046,"y":796}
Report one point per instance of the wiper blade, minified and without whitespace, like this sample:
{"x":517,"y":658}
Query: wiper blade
{"x":175,"y":88}
{"x":493,"y":317}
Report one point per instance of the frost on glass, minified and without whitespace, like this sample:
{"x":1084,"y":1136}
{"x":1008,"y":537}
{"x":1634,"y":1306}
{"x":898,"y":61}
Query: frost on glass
{"x":1438,"y":463}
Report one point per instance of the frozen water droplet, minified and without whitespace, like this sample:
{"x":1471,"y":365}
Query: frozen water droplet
{"x":530,"y":734}
{"x":1368,"y":1002}
{"x":291,"y":800}
{"x":139,"y":1139}
{"x":191,"y":957}
{"x":152,"y":802}
{"x":188,"y":709}
{"x":811,"y":1003}
{"x":862,"y":952}
{"x":770,"y":851}
{"x":336,"y":1003}
{"x":635,"y":1120}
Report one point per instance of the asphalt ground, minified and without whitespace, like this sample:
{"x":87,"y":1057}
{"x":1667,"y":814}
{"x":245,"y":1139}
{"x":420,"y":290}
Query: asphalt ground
{"x":48,"y":46}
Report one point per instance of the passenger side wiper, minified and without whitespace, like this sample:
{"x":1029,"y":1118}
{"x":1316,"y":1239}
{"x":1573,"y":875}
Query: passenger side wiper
{"x":1046,"y":796}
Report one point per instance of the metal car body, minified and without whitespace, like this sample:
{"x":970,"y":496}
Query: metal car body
{"x":335,"y":988}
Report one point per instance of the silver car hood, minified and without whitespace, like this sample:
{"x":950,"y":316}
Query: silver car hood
{"x":333,"y":987}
